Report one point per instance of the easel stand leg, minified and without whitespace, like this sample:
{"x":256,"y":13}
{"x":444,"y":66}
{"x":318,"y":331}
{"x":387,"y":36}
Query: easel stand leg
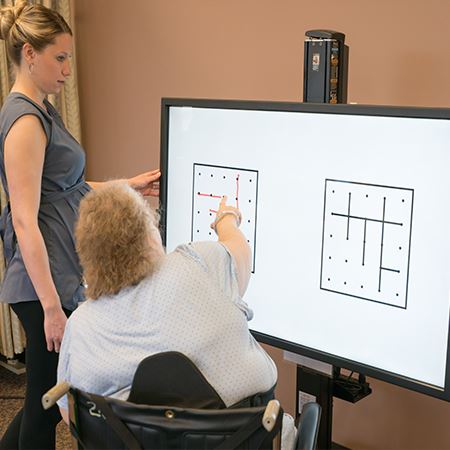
{"x":321,"y":387}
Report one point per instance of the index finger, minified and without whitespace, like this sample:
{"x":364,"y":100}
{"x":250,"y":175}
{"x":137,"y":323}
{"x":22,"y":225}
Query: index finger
{"x":223,"y":201}
{"x":49,"y":344}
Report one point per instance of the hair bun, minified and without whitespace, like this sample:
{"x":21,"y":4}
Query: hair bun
{"x":9,"y":15}
{"x":7,"y":19}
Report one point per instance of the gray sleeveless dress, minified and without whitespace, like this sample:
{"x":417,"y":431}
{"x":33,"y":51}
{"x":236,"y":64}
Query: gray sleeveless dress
{"x":63,"y":186}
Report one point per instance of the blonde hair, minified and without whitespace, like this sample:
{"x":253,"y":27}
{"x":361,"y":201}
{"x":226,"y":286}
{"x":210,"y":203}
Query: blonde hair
{"x":117,"y":239}
{"x":33,"y":24}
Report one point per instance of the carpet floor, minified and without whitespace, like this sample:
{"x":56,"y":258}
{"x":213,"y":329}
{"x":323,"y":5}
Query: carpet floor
{"x":12,"y":391}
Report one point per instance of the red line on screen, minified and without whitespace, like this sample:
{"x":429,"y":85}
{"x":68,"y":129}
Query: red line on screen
{"x":237,"y":191}
{"x":208,"y":195}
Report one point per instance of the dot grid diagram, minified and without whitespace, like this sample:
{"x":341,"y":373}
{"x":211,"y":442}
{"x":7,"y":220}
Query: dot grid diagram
{"x":366,"y":241}
{"x":210,"y":184}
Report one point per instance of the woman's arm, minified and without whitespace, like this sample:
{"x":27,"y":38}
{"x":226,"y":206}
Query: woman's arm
{"x":227,"y":229}
{"x":143,"y":183}
{"x":24,"y":160}
{"x":64,"y":414}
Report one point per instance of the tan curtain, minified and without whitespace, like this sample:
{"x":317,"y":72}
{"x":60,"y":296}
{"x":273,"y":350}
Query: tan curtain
{"x":12,"y":337}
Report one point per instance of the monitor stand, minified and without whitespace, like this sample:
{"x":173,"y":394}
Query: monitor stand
{"x":320,"y":382}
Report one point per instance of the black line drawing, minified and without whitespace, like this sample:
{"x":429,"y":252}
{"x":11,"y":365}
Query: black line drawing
{"x":210,"y":184}
{"x":366,"y":241}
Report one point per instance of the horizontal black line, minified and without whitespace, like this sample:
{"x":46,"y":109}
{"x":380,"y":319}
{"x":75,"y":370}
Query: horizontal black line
{"x":390,"y":270}
{"x":369,"y":184}
{"x":363,"y":298}
{"x":225,"y":167}
{"x":366,"y":218}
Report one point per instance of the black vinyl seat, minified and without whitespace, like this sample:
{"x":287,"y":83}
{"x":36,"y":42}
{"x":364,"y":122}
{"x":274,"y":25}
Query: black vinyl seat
{"x":114,"y":424}
{"x":172,"y":406}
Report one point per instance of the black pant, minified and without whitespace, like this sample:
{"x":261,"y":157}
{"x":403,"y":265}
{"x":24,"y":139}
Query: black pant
{"x":33,"y":427}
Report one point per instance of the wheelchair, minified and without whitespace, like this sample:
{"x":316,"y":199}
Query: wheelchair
{"x":172,"y":406}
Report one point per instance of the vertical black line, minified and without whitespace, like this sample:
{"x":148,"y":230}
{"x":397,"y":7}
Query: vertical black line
{"x":256,"y":221}
{"x":364,"y":243}
{"x":323,"y":230}
{"x":409,"y":253}
{"x":382,"y":241}
{"x":164,"y":164}
{"x":193,"y":201}
{"x":348,"y":217}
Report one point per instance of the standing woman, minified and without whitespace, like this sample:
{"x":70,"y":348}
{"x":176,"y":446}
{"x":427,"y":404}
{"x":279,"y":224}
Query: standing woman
{"x":42,"y":171}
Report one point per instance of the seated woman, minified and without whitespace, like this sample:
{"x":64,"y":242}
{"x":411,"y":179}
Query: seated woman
{"x":142,"y":301}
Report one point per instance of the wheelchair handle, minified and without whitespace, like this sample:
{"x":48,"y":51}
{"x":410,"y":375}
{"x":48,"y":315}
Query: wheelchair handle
{"x":271,"y":414}
{"x":54,"y":394}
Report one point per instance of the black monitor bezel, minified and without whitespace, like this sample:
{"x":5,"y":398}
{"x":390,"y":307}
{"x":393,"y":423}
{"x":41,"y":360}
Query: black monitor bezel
{"x":341,"y":109}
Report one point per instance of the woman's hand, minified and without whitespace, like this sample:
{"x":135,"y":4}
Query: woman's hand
{"x":223,"y":205}
{"x":144,"y":183}
{"x":224,"y":212}
{"x":54,"y":324}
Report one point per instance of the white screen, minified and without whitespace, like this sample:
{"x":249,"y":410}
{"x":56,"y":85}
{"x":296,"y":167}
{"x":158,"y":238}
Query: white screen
{"x":347,"y":217}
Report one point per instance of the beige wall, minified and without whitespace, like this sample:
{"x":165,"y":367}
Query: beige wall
{"x":133,"y":52}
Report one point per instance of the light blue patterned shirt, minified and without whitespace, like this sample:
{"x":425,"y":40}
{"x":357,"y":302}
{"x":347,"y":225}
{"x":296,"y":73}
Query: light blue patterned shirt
{"x":191,"y":305}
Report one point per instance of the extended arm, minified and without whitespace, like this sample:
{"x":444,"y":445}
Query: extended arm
{"x":227,"y":229}
{"x":24,"y":159}
{"x":143,"y":183}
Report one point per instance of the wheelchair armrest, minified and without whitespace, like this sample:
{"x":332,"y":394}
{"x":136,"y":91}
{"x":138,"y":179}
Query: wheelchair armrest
{"x":271,"y":414}
{"x":54,"y":394}
{"x":308,"y":427}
